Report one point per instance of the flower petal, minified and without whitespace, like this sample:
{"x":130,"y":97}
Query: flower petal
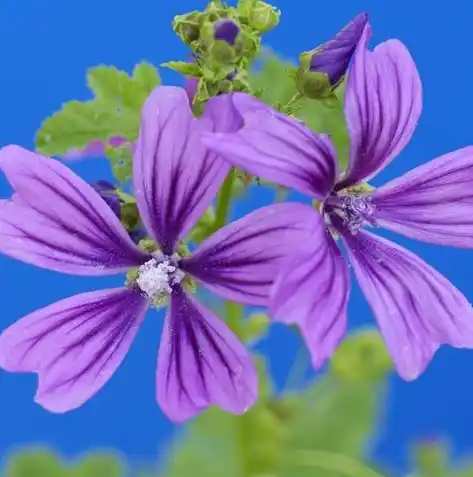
{"x":201,"y":363}
{"x":175,"y":176}
{"x":417,"y":309}
{"x":433,"y":202}
{"x":278,"y":149}
{"x":312,"y":292}
{"x":74,"y":345}
{"x":239,"y":261}
{"x":57,"y":221}
{"x":383,"y":102}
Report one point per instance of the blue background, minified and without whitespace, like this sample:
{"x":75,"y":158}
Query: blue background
{"x":45,"y":48}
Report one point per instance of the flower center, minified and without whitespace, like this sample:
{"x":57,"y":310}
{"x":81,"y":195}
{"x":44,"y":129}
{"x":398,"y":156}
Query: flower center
{"x":355,"y":210}
{"x":156,"y":278}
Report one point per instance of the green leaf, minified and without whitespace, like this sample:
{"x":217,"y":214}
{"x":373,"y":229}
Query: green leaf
{"x":146,"y":76}
{"x":99,"y":465}
{"x":35,"y":463}
{"x":114,"y":111}
{"x":77,"y":124}
{"x":120,"y":159}
{"x":183,"y":67}
{"x":275,"y":80}
{"x":335,"y":415}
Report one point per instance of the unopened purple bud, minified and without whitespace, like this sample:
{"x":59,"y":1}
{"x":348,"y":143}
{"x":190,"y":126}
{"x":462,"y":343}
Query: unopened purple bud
{"x":108,"y":193}
{"x":333,"y":57}
{"x":226,"y":30}
{"x":138,"y":234}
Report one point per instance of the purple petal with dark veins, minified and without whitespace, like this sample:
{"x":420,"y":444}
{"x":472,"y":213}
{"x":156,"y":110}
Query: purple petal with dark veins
{"x":201,"y":363}
{"x":55,"y":220}
{"x":417,"y":309}
{"x":433,"y":202}
{"x":333,"y":57}
{"x":74,"y":345}
{"x":278,"y":149}
{"x":312,"y":291}
{"x":240,"y":261}
{"x":175,"y":176}
{"x":383,"y":102}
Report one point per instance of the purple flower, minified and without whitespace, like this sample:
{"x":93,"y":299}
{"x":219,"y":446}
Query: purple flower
{"x":57,"y":221}
{"x":226,"y":30}
{"x":333,"y":57}
{"x":416,"y":308}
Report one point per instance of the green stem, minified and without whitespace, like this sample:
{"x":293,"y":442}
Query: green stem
{"x":223,"y":201}
{"x":332,"y":462}
{"x":234,"y":313}
{"x":293,"y":100}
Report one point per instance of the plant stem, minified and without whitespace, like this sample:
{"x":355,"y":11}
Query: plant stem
{"x":223,"y":201}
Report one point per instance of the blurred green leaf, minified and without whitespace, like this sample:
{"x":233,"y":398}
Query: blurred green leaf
{"x":431,"y":459}
{"x":218,"y":443}
{"x":99,"y":465}
{"x":114,"y":111}
{"x":277,"y":87}
{"x":35,"y":463}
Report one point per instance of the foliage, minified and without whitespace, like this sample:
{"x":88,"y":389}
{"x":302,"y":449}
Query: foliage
{"x":113,"y":112}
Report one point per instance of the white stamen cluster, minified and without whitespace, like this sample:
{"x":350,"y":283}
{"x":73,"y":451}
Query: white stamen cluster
{"x":156,"y":278}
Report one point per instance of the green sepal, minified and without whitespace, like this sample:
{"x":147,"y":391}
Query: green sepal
{"x":187,"y":27}
{"x":222,"y":53}
{"x":313,"y":85}
{"x":183,"y":67}
{"x":244,"y":8}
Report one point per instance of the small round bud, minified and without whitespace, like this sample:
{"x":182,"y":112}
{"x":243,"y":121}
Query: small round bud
{"x":263,"y":17}
{"x":313,"y":85}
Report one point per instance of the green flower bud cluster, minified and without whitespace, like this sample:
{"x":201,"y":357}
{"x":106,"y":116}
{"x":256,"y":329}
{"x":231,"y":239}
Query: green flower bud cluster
{"x":224,"y":42}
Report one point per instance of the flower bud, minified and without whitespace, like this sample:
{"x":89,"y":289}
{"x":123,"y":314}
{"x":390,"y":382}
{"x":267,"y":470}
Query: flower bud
{"x":333,"y":57}
{"x":226,"y":30}
{"x":263,"y":17}
{"x":362,"y":357}
{"x":108,"y":193}
{"x":313,"y":85}
{"x":187,"y":26}
{"x":126,"y":212}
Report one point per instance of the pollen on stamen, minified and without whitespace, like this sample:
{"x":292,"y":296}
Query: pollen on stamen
{"x":157,"y":278}
{"x":357,"y":210}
